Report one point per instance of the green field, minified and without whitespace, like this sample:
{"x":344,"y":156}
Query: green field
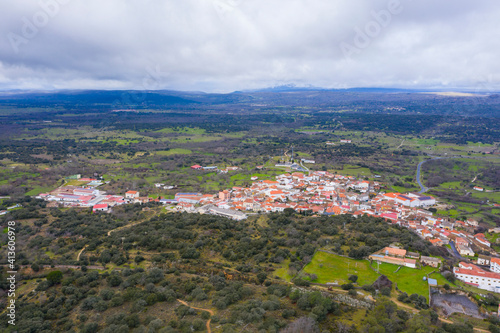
{"x":330,"y":268}
{"x":353,"y":170}
{"x":39,"y":189}
{"x":283,"y":271}
{"x":410,"y":280}
{"x":334,"y":268}
{"x":175,"y":151}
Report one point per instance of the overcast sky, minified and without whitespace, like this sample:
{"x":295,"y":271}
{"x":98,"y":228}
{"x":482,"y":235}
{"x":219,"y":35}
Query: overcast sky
{"x":227,"y":45}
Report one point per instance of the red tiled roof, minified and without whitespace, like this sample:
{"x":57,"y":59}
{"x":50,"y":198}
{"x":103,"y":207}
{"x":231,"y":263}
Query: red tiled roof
{"x":100,"y":206}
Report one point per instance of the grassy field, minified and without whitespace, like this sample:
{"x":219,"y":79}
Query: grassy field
{"x":39,"y":189}
{"x":411,"y":280}
{"x":333,"y":268}
{"x":353,"y":170}
{"x":175,"y":151}
{"x":283,"y":271}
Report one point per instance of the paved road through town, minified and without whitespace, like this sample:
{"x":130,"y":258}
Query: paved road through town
{"x":455,"y":252}
{"x":422,"y":187}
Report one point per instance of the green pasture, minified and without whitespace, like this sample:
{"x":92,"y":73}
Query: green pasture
{"x":330,"y":268}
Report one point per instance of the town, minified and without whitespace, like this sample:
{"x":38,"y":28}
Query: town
{"x":322,"y":193}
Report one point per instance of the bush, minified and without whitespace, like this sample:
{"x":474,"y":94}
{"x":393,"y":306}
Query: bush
{"x":449,"y":276}
{"x":353,"y":278}
{"x":301,"y":282}
{"x":55,"y":277}
{"x":132,"y":320}
{"x":90,"y":328}
{"x":198,"y":325}
{"x":368,"y":287}
{"x":347,"y":286}
{"x":386,"y":291}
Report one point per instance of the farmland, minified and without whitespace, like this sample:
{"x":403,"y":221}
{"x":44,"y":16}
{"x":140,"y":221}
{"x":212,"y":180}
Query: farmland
{"x":331,"y":268}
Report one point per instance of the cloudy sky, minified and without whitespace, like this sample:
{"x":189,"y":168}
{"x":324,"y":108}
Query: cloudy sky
{"x":227,"y":45}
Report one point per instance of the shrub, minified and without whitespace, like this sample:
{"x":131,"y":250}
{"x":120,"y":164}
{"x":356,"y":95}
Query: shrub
{"x":55,"y":277}
{"x":347,"y":286}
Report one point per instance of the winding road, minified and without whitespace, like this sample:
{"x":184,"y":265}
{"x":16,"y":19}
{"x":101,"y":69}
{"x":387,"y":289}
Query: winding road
{"x":80,"y":253}
{"x":424,"y":189}
{"x":455,"y":252}
{"x":207,"y":310}
{"x":307,"y":169}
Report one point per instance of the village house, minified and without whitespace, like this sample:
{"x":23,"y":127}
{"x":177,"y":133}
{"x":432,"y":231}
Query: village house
{"x":495,"y":264}
{"x":465,"y":250}
{"x":483,"y":260}
{"x":131,"y":194}
{"x":224,"y":195}
{"x":431,"y":261}
{"x":393,"y":256}
{"x":100,"y":208}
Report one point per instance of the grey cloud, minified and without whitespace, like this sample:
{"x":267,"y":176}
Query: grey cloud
{"x":225,"y":45}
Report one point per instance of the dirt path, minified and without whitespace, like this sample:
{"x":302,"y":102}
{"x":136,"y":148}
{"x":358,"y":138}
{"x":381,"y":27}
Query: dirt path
{"x":444,"y":320}
{"x":80,"y":253}
{"x":208,"y":310}
{"x":124,"y":227}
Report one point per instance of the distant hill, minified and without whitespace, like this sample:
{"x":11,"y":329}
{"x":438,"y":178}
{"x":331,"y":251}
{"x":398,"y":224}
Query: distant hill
{"x":118,"y":98}
{"x":367,"y":100}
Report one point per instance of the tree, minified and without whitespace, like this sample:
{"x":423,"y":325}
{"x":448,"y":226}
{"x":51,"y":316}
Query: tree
{"x":132,"y":320}
{"x":55,"y":277}
{"x":386,"y":291}
{"x":262,"y":276}
{"x":90,"y":328}
{"x":302,"y":325}
{"x":347,"y":286}
{"x":353,"y":278}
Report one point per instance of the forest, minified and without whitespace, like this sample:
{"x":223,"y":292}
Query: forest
{"x":208,"y":261}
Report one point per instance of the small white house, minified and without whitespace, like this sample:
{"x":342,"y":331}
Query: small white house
{"x":131,"y":194}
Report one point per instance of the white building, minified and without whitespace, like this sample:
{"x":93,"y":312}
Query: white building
{"x":131,"y":194}
{"x":478,"y":277}
{"x":495,"y":265}
{"x":464,"y":250}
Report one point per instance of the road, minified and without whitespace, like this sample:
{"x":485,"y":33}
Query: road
{"x":125,"y":227}
{"x":80,"y":253}
{"x":207,"y":310}
{"x":475,"y":178}
{"x":100,"y":268}
{"x":307,"y":169}
{"x":455,"y":252}
{"x":422,"y":187}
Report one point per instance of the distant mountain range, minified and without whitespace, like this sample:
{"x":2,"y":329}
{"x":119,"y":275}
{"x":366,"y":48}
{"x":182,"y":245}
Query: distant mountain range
{"x":268,"y":99}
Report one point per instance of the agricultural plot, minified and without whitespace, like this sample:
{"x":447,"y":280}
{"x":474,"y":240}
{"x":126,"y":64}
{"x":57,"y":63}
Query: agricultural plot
{"x":334,"y":268}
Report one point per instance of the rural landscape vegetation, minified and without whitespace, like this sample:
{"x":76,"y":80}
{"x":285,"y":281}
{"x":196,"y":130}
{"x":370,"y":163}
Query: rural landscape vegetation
{"x":233,"y":166}
{"x":152,"y":267}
